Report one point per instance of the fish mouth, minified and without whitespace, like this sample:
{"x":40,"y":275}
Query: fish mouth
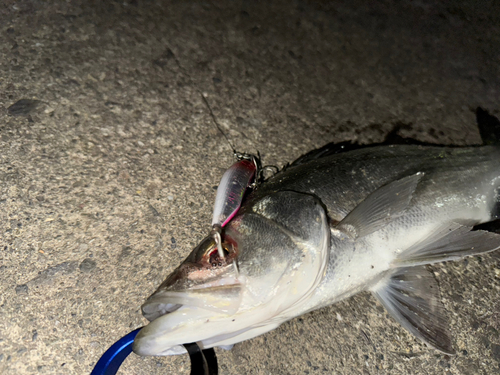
{"x":204,"y":280}
{"x":171,"y":312}
{"x":166,"y":334}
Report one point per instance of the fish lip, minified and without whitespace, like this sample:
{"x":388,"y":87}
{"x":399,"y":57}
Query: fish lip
{"x":156,"y":338}
{"x":222,"y":295}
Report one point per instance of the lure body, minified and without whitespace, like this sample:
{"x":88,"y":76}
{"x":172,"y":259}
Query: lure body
{"x":231,"y":190}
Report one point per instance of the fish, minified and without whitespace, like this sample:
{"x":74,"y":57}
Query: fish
{"x":338,"y":221}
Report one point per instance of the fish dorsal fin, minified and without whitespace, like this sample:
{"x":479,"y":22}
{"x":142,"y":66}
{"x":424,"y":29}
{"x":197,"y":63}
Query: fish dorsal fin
{"x":380,"y":207}
{"x":448,"y":242}
{"x":411,"y":296}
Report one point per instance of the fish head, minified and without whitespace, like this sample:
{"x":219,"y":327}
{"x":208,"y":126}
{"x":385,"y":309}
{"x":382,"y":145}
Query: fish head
{"x":275,"y":255}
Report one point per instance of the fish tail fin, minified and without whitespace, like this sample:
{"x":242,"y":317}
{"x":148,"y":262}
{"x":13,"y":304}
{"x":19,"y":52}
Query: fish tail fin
{"x":411,"y":296}
{"x":450,"y":241}
{"x":489,"y":127}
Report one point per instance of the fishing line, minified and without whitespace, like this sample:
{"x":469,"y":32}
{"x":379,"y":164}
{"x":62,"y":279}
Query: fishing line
{"x":203,"y":97}
{"x":216,"y":123}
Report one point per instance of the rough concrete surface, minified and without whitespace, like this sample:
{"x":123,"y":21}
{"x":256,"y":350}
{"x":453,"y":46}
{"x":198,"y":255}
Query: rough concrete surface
{"x":108,"y":164}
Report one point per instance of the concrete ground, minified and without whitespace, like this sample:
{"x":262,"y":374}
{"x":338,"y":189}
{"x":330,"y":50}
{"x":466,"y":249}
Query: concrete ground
{"x":108,"y":166}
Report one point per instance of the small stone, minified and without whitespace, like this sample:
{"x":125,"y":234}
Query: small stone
{"x":126,"y":250}
{"x":87,"y":265}
{"x":154,"y":211}
{"x":23,"y":107}
{"x":22,"y":289}
{"x":48,"y":275}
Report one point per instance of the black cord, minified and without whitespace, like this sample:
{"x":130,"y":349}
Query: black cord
{"x":203,"y":362}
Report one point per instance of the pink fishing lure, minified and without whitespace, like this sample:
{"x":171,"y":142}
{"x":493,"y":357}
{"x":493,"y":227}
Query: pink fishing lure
{"x":231,"y":190}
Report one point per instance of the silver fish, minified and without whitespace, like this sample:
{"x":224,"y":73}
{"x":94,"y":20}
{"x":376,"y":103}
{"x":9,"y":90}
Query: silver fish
{"x":324,"y":229}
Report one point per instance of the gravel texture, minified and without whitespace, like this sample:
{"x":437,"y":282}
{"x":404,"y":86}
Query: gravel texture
{"x":110,"y":159}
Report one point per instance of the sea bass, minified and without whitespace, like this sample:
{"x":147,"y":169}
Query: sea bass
{"x":325,"y":228}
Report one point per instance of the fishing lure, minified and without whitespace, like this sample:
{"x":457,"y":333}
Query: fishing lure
{"x":233,"y":185}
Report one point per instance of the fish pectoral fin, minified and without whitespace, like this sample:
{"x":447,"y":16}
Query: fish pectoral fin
{"x":448,"y":242}
{"x":380,"y":207}
{"x":411,"y":296}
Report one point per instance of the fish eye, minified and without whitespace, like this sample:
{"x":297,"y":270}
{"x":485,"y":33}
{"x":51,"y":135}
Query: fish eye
{"x":207,"y":255}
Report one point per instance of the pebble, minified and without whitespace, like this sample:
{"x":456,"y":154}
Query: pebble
{"x":87,"y":265}
{"x":23,"y":107}
{"x":47,"y":275}
{"x":22,"y":289}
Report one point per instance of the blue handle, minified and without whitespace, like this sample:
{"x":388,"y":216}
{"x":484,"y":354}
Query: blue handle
{"x":203,"y":362}
{"x":112,"y":359}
